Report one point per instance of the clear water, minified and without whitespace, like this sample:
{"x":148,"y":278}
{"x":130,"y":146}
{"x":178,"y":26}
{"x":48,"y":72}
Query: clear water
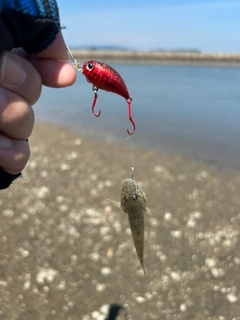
{"x":191,"y":111}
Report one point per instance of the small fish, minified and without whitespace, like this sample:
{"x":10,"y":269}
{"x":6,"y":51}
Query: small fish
{"x":134,"y":203}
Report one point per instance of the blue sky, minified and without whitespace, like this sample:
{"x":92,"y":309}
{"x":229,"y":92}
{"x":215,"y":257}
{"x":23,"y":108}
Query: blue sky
{"x":207,"y":25}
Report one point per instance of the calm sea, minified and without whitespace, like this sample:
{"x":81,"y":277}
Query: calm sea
{"x":188,"y":110}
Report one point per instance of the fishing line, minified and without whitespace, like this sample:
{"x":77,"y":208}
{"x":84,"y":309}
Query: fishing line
{"x":132,"y":157}
{"x":131,"y":153}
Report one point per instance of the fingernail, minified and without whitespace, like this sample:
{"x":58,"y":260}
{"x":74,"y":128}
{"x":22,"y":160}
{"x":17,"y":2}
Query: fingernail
{"x":5,"y":143}
{"x":12,"y":71}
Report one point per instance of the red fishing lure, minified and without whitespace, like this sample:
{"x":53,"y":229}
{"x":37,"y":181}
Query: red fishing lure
{"x":104,"y":77}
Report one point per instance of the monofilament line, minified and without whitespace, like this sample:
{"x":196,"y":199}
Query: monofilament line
{"x":132,"y":157}
{"x":131,"y":152}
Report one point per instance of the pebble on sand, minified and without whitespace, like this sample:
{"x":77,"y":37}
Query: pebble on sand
{"x":46,"y":275}
{"x":106,"y":271}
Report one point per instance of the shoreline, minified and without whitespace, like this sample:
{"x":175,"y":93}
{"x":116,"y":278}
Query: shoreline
{"x":221,"y":163}
{"x":162,"y":58}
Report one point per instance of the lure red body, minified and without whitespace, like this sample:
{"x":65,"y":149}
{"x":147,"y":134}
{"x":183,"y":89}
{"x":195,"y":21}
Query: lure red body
{"x":104,"y":77}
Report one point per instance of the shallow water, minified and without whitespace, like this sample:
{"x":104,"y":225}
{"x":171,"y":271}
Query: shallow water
{"x":187,"y":110}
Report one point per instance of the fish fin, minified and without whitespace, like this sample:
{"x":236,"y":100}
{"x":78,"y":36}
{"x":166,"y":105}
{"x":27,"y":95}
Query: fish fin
{"x":116,"y":203}
{"x":148,"y":212}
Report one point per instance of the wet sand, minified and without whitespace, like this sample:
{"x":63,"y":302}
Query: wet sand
{"x":67,"y":253}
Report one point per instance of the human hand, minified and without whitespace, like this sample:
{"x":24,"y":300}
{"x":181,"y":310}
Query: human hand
{"x":21,"y":79}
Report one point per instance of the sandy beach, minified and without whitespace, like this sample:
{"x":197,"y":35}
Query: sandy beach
{"x":66,"y":252}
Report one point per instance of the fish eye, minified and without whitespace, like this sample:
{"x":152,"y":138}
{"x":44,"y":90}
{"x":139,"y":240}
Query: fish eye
{"x":135,"y":196}
{"x":90,"y":66}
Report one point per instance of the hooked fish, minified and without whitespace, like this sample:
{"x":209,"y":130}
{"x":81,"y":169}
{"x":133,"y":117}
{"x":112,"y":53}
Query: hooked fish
{"x":134,"y":203}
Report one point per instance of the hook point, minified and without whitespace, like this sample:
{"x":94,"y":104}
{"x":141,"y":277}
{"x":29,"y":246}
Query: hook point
{"x":131,"y":133}
{"x":95,"y":114}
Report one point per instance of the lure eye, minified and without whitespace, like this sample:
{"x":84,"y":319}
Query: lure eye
{"x":135,"y":196}
{"x":90,"y":66}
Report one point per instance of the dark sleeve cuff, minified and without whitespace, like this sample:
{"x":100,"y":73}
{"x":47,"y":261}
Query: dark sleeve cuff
{"x":32,"y":27}
{"x":6,"y":178}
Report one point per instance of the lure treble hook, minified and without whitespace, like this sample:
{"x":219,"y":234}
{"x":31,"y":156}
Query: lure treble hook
{"x":95,"y":90}
{"x":129,"y":100}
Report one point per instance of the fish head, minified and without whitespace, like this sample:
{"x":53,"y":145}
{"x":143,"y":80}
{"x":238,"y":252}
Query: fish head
{"x":132,"y":197}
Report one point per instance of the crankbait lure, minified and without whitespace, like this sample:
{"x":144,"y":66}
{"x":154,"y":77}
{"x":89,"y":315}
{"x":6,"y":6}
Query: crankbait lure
{"x":104,"y":77}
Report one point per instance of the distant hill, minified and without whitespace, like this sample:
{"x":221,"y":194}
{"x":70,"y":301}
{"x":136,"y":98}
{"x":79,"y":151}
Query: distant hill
{"x":119,"y":48}
{"x":102,"y":48}
{"x":178,"y":50}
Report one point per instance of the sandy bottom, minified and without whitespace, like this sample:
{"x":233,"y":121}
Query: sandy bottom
{"x":67,"y":253}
